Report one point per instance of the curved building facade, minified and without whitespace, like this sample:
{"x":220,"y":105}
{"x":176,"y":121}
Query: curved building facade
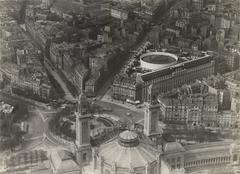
{"x":127,"y":154}
{"x":157,"y":60}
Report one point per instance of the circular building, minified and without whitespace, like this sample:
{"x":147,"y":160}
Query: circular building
{"x":157,"y":60}
{"x":127,"y":154}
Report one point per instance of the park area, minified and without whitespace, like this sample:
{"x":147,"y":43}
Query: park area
{"x":12,"y":116}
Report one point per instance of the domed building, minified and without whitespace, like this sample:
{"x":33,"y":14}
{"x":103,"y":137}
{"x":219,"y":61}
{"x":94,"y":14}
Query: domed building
{"x":140,"y":152}
{"x":134,"y":153}
{"x":127,"y":154}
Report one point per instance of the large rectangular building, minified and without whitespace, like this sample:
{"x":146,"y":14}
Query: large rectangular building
{"x":172,"y":77}
{"x":163,"y":80}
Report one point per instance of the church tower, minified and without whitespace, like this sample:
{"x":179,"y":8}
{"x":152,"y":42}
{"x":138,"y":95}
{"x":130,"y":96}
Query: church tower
{"x":151,"y":115}
{"x":83,"y":146}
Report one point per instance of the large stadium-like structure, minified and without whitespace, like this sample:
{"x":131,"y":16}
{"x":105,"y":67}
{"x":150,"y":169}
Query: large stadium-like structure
{"x":157,"y":60}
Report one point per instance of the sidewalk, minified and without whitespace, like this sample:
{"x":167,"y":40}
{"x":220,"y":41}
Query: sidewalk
{"x":28,"y":100}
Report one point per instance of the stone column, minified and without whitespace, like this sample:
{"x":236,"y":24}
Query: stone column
{"x":147,"y":168}
{"x":158,"y":164}
{"x":101,"y":165}
{"x":131,"y":170}
{"x":114,"y":168}
{"x":94,"y":157}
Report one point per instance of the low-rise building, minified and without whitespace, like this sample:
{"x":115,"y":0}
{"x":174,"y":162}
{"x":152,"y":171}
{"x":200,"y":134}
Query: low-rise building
{"x":228,"y":119}
{"x":192,"y":104}
{"x":79,"y":76}
{"x":177,"y":111}
{"x":233,"y":82}
{"x":45,"y":32}
{"x":193,"y":110}
{"x":24,"y":160}
{"x":180,"y":10}
{"x":31,"y":83}
{"x":25,"y":74}
{"x":235,"y":104}
{"x":92,"y":85}
{"x":126,"y":88}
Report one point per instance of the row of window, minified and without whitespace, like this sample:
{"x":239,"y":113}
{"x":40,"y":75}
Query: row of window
{"x":207,"y":161}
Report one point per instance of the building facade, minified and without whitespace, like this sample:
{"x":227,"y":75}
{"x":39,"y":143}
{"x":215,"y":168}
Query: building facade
{"x":228,"y":119}
{"x":177,"y":75}
{"x":233,"y":82}
{"x":151,"y":117}
{"x":123,"y":88}
{"x":163,"y":80}
{"x":127,"y":154}
{"x":194,"y":104}
{"x":26,"y":80}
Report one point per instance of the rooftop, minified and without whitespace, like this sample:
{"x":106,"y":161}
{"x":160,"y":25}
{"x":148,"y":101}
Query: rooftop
{"x":26,"y":158}
{"x":6,"y":108}
{"x":131,"y":152}
{"x":173,"y":147}
{"x":168,"y":70}
{"x":233,"y":76}
{"x":63,"y":162}
{"x":128,"y":139}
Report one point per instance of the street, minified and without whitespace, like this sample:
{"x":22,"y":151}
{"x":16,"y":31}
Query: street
{"x":68,"y":95}
{"x":123,"y":112}
{"x":38,"y":117}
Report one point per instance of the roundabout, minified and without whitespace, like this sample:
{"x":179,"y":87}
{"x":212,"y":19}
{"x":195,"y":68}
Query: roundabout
{"x":101,"y":127}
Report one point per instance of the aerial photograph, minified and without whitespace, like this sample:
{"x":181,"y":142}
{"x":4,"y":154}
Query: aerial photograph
{"x":119,"y":86}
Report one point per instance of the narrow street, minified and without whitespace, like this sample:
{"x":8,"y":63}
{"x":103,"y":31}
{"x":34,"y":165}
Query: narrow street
{"x":67,"y":94}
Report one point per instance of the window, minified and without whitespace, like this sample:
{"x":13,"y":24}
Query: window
{"x":107,"y":171}
{"x":84,"y":157}
{"x":178,"y":158}
{"x":235,"y":157}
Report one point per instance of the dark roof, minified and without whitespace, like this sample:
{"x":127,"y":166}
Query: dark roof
{"x":155,"y":74}
{"x":64,"y":155}
{"x":171,"y":69}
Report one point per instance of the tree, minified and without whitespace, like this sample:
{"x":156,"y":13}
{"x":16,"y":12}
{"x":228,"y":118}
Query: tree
{"x":22,"y":12}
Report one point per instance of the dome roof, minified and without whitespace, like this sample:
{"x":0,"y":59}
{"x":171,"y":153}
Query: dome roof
{"x":128,"y":139}
{"x":173,"y":147}
{"x":128,"y":135}
{"x":127,"y":151}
